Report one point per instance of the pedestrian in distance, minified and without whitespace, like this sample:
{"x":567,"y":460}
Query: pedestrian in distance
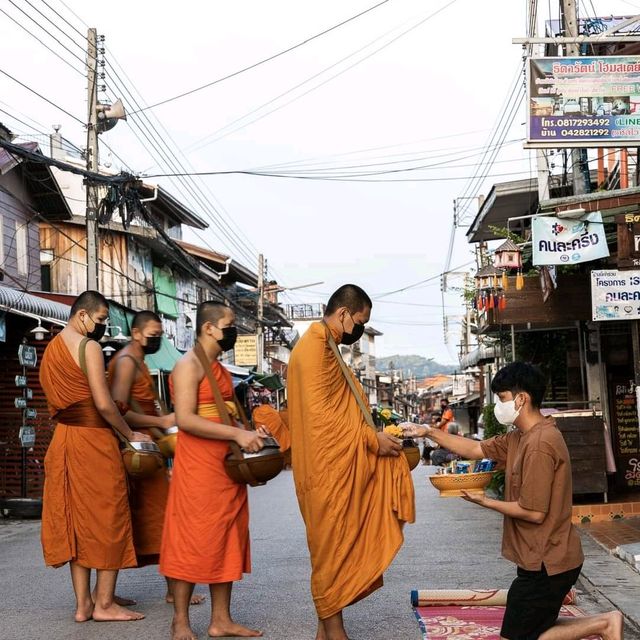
{"x":354,"y":488}
{"x":538,"y":535}
{"x":446,"y":415}
{"x":133,"y":390}
{"x":206,"y":531}
{"x":86,"y":519}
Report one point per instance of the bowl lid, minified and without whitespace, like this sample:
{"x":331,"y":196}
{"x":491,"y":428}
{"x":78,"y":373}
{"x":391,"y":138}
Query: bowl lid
{"x":148,"y":447}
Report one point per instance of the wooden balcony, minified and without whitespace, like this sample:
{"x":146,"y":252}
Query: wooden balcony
{"x":571,"y":301}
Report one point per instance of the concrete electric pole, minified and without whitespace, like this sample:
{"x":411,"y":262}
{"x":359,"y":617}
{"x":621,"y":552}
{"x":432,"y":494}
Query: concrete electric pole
{"x":93,"y":280}
{"x":572,"y":50}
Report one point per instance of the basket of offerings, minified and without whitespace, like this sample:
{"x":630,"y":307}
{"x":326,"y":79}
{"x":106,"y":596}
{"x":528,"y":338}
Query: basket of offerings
{"x":452,"y":485}
{"x":409,"y":447}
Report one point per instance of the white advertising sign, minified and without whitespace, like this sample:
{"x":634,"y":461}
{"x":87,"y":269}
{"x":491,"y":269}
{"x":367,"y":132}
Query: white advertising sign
{"x":615,"y":294}
{"x":564,"y":241}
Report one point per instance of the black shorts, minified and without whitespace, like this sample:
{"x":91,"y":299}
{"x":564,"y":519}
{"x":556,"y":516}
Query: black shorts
{"x":534,"y":602}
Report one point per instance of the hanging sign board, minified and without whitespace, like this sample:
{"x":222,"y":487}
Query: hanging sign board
{"x":615,"y":295}
{"x":590,"y":101}
{"x":27,"y":355}
{"x":27,"y":436}
{"x":564,"y":241}
{"x":21,"y":381}
{"x":29,"y":414}
{"x":246,"y":351}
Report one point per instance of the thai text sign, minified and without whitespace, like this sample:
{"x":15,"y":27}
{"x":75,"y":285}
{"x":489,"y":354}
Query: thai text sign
{"x":246,"y":351}
{"x":593,"y":101}
{"x":564,"y":241}
{"x":615,"y":295}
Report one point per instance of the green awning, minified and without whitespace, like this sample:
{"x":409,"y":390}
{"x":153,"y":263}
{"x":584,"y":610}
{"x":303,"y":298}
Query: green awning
{"x":165,"y":358}
{"x":271,"y":381}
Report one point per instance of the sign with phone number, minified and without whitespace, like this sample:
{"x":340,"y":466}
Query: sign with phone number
{"x":588,"y":101}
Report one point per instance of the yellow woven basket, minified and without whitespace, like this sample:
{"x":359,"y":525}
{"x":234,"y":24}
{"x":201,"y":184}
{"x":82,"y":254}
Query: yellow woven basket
{"x":451,"y":485}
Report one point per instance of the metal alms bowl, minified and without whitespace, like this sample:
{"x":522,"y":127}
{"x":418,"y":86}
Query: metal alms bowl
{"x":264,"y":464}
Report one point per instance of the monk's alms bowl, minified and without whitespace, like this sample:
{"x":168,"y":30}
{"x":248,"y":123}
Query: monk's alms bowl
{"x":451,"y":485}
{"x":411,"y":453}
{"x":167,"y":443}
{"x":264,"y":465}
{"x":142,"y":459}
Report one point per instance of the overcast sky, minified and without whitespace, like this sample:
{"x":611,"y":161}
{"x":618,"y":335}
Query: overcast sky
{"x":435,"y":90}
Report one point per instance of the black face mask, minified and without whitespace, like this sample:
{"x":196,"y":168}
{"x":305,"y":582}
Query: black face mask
{"x":97,"y":332}
{"x":153,"y":345}
{"x":354,"y":336}
{"x":229,"y":336}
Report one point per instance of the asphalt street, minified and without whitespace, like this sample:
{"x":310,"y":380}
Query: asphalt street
{"x":453,"y":544}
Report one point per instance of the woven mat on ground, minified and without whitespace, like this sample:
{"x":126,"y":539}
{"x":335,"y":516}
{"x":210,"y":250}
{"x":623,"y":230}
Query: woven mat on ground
{"x":478,"y":597}
{"x":468,"y":622}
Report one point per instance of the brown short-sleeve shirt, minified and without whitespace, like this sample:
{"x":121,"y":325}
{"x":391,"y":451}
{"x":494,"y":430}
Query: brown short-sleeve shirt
{"x":538,"y":477}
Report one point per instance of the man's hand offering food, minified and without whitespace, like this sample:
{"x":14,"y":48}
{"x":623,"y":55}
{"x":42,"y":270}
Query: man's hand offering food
{"x":411,"y":430}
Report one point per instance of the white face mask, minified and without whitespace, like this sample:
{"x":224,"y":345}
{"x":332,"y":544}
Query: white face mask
{"x":506,"y":412}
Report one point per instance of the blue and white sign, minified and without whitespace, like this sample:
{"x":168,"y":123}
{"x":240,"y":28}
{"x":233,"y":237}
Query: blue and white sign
{"x":615,"y":294}
{"x":564,"y":241}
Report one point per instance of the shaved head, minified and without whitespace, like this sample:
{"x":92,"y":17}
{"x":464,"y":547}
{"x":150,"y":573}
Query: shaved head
{"x":141,"y":319}
{"x":89,"y":301}
{"x":211,"y":312}
{"x":351,"y":296}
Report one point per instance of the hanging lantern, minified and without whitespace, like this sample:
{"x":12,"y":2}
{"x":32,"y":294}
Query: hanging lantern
{"x":502,"y":303}
{"x":505,"y":280}
{"x":488,"y":277}
{"x":507,"y":256}
{"x":519,"y":280}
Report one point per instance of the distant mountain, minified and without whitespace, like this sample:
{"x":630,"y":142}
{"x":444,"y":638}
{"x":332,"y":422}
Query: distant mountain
{"x":417,"y":366}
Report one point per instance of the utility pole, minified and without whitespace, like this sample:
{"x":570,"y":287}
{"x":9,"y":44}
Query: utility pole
{"x":93,"y":280}
{"x":572,"y":50}
{"x":259,"y":331}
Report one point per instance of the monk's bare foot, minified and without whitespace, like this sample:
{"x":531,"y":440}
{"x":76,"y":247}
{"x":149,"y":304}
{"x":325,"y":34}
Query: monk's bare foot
{"x":196,"y":598}
{"x":115,"y":613}
{"x":232,"y":630}
{"x":182,"y":631}
{"x":84,"y":611}
{"x":321,"y":635}
{"x":123,"y":602}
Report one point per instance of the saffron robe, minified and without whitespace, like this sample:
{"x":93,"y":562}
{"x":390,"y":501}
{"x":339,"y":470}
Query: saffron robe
{"x":206,"y":529}
{"x":353,"y":502}
{"x":270,"y":418}
{"x":85,"y":510}
{"x":147,"y":496}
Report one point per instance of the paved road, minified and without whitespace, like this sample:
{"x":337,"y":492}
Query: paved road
{"x":452,"y":544}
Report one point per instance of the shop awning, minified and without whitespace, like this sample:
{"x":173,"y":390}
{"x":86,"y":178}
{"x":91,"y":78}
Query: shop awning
{"x":164,"y":359}
{"x":22,"y":303}
{"x":480,"y":355}
{"x":271,"y":381}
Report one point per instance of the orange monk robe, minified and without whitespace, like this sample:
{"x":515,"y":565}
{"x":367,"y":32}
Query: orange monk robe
{"x":353,"y":502}
{"x":85,"y":510}
{"x":147,"y":496}
{"x":206,"y":529}
{"x":266,"y":415}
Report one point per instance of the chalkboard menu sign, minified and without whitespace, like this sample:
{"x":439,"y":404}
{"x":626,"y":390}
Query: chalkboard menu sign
{"x":624,"y":418}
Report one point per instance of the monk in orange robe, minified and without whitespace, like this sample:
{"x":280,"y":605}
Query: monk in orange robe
{"x":85,"y":513}
{"x":353,"y":485}
{"x":264,"y":415}
{"x":206,"y":529}
{"x":132,"y":388}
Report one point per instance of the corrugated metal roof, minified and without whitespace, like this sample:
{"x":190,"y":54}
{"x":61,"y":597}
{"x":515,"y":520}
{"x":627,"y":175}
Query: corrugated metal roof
{"x":14,"y":299}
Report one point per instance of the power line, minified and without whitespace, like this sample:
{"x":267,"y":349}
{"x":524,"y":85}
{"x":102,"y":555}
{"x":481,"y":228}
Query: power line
{"x":265,"y":60}
{"x":46,"y":46}
{"x":213,"y":137}
{"x":53,"y":104}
